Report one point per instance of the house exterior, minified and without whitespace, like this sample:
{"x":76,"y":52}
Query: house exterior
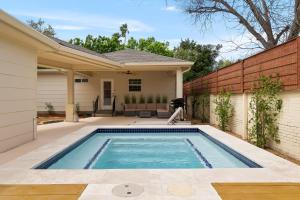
{"x":149,"y":75}
{"x":23,"y":91}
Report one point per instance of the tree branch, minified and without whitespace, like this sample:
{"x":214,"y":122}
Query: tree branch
{"x":295,"y":27}
{"x":243,"y":21}
{"x":263,"y":23}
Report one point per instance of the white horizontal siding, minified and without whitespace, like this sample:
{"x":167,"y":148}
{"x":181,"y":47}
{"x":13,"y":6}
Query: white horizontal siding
{"x":52,"y":87}
{"x":18,"y":93}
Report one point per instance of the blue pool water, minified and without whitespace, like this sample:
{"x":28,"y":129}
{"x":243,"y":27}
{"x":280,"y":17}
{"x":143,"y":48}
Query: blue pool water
{"x":148,"y":149}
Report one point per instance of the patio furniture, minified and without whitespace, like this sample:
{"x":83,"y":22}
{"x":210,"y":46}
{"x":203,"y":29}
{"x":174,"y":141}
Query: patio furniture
{"x":145,"y":114}
{"x":162,"y":111}
{"x":130,"y":110}
{"x":151,"y":107}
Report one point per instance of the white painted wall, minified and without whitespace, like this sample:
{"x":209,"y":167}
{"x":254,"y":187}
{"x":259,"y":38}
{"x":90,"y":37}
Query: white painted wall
{"x":52,"y":88}
{"x":17,"y":93}
{"x":289,"y":121}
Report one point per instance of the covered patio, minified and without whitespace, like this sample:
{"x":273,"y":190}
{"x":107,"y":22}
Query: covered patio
{"x":110,"y":76}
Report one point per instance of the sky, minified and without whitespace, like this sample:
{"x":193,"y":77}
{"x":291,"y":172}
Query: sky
{"x":165,"y":20}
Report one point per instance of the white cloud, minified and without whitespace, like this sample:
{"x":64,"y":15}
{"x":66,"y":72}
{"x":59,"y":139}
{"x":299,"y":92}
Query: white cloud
{"x":171,"y":8}
{"x":68,"y":27}
{"x":78,"y":21}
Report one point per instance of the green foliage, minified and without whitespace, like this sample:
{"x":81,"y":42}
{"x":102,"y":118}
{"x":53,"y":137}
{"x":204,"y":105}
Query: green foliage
{"x":100,"y":44}
{"x":150,"y":99}
{"x":41,"y":27}
{"x":204,"y":57}
{"x":164,"y":99}
{"x":224,"y":63}
{"x":223,"y":110}
{"x":133,"y":99}
{"x":202,"y":103}
{"x":142,"y":99}
{"x":104,"y":44}
{"x":265,"y":106}
{"x":157,"y":99}
{"x":124,"y":31}
{"x":49,"y":107}
{"x":126,"y":99}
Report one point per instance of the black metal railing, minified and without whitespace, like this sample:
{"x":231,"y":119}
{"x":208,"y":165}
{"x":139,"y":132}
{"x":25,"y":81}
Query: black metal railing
{"x":95,"y":106}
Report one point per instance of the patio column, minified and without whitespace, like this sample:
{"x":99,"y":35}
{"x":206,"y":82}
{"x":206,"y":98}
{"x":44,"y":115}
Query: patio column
{"x":70,"y":108}
{"x":179,"y":83}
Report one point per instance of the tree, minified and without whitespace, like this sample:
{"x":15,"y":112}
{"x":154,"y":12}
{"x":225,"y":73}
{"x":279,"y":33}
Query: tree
{"x":41,"y":27}
{"x":104,"y":44}
{"x":153,"y":46}
{"x":268,"y":21}
{"x":203,"y":56}
{"x":224,"y":63}
{"x":124,"y":31}
{"x":100,"y":44}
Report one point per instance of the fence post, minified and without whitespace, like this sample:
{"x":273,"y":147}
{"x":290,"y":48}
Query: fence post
{"x":245,"y":106}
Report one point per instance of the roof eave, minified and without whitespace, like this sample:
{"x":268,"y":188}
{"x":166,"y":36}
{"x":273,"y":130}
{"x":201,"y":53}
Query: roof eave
{"x":174,"y":64}
{"x":20,"y":26}
{"x":89,"y":57}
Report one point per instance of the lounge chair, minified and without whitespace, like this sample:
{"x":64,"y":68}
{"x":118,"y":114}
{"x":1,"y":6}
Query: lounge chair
{"x":130,"y":110}
{"x":163,"y":111}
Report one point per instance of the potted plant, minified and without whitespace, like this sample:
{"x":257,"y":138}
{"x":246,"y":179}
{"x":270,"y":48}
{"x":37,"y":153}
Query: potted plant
{"x":150,"y":103}
{"x":126,"y":99}
{"x":133,"y":99}
{"x":157,"y":99}
{"x":163,"y":103}
{"x":141,"y":105}
{"x":50,"y":108}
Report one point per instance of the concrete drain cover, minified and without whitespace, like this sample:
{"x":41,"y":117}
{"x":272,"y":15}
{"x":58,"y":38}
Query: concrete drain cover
{"x":180,"y":190}
{"x":127,"y":190}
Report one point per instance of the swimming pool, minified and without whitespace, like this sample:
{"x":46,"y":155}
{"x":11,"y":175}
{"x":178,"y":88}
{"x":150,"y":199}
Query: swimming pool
{"x":145,"y":148}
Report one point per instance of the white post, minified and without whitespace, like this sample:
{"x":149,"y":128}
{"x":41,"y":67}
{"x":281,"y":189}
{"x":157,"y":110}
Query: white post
{"x":245,"y":116}
{"x":70,"y":108}
{"x":179,"y":83}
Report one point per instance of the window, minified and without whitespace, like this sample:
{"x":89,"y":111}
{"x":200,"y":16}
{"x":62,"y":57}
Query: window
{"x":135,"y":85}
{"x":81,"y":80}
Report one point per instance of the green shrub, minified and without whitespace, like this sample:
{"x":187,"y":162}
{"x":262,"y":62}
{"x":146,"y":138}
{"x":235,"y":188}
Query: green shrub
{"x":157,"y":99}
{"x":164,"y":99}
{"x":142,"y":99}
{"x":133,"y":99}
{"x":223,"y":110}
{"x":127,"y":99}
{"x":49,"y":107}
{"x":265,"y":106}
{"x":150,"y":99}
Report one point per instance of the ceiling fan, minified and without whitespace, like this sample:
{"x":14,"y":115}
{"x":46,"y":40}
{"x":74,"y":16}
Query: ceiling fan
{"x":128,"y":72}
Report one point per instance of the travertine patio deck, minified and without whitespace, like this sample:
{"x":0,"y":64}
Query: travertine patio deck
{"x":160,"y":184}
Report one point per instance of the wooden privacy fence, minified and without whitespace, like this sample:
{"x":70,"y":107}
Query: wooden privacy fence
{"x":282,"y":60}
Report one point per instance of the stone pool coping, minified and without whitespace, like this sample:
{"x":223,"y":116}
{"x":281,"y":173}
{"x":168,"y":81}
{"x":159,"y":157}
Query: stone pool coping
{"x":155,"y":181}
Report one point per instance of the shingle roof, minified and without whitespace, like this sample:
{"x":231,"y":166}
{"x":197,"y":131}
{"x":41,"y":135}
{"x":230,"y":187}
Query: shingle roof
{"x":123,"y":56}
{"x":77,"y":47}
{"x":132,"y":56}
